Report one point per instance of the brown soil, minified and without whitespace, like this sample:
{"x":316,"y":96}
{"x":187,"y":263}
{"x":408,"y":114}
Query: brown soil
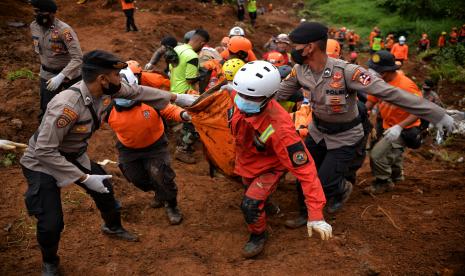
{"x":417,"y":229}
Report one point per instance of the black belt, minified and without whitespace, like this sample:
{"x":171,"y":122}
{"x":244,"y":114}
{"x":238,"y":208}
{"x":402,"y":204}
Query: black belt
{"x":73,"y":156}
{"x":51,"y":70}
{"x":334,"y":128}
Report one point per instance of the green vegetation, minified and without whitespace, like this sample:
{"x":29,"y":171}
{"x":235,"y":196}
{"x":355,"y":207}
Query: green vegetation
{"x":23,"y":73}
{"x":446,"y":64}
{"x":401,"y":17}
{"x":8,"y":159}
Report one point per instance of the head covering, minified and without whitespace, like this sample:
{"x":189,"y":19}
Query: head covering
{"x":428,"y":84}
{"x":308,"y":32}
{"x":102,"y":60}
{"x":284,"y":38}
{"x":169,"y":41}
{"x":383,"y":61}
{"x":45,"y":5}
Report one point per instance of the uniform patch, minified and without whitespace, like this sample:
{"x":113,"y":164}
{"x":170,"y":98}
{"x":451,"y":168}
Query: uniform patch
{"x":146,"y":114}
{"x":66,"y":117}
{"x":297,"y":154}
{"x":356,"y":74}
{"x":376,"y":58}
{"x":337,"y":76}
{"x":327,"y":73}
{"x":292,"y":74}
{"x":364,"y":79}
{"x":106,"y":101}
{"x":67,"y":35}
{"x":54,"y":34}
{"x":80,"y":129}
{"x":336,"y":84}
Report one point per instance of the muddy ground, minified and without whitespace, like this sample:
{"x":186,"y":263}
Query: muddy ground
{"x":419,"y":229}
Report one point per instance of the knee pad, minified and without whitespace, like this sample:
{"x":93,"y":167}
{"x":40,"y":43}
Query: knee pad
{"x":251,"y":210}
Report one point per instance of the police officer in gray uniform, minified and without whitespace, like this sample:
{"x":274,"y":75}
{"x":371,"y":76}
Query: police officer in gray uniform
{"x":56,"y":156}
{"x":336,"y":127}
{"x":59,"y":50}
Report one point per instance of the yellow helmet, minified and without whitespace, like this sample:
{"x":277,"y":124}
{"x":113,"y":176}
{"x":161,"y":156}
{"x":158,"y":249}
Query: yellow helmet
{"x":230,"y":68}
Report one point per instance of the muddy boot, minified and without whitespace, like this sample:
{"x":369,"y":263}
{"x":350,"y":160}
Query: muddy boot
{"x":185,"y":157}
{"x":297,"y":222}
{"x":50,"y":269}
{"x":379,"y":186}
{"x":156,"y":203}
{"x":173,"y":213}
{"x":255,"y":245}
{"x":337,"y":202}
{"x":114,"y":229}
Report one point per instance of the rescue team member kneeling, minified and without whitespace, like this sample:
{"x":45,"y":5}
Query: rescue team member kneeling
{"x":144,"y":156}
{"x":56,"y":156}
{"x":267,"y":146}
{"x":336,"y":128}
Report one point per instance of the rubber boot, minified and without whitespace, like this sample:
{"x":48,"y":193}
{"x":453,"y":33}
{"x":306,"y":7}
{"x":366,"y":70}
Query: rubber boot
{"x":51,"y":261}
{"x":379,"y":186}
{"x":173,"y":213}
{"x":255,"y":245}
{"x":114,"y":229}
{"x":337,"y":202}
{"x":156,"y":203}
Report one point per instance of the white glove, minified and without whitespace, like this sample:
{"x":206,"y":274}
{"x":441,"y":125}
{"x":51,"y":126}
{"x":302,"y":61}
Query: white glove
{"x":392,"y":134}
{"x":227,"y":87}
{"x":185,"y":99}
{"x":54,"y":83}
{"x":322,"y":227}
{"x":457,"y":115}
{"x":95,"y":183}
{"x":148,"y":66}
{"x":446,"y":122}
{"x":185,"y":116}
{"x":10,"y":145}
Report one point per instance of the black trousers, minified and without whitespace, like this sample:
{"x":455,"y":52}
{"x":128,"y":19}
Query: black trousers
{"x":153,"y":174}
{"x":130,"y":23}
{"x":43,"y":200}
{"x":332,"y":166}
{"x":46,"y":95}
{"x":240,"y":12}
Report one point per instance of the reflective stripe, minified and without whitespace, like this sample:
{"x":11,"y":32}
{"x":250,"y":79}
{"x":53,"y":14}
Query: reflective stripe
{"x":266,"y":134}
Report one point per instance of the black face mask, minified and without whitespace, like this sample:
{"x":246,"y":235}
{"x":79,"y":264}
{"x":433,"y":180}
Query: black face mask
{"x":112,"y":89}
{"x":297,"y":56}
{"x":43,"y":19}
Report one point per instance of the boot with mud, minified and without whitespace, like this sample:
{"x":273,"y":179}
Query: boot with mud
{"x":255,"y":245}
{"x":173,"y":213}
{"x":185,"y":156}
{"x":379,"y":186}
{"x":156,"y":203}
{"x":114,"y":229}
{"x":51,"y":261}
{"x":297,"y":222}
{"x":336,"y":203}
{"x":50,"y":269}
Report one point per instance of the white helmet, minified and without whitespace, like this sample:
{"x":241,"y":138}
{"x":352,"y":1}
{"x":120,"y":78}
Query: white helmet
{"x":236,"y":31}
{"x":256,"y":79}
{"x":402,"y":38}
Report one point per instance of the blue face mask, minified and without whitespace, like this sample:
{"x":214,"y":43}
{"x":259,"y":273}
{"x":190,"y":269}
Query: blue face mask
{"x":246,"y":106}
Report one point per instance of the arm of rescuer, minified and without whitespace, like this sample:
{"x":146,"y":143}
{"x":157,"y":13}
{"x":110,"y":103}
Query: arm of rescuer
{"x":174,"y":113}
{"x":294,"y":156}
{"x":372,"y":101}
{"x":288,"y":86}
{"x":59,"y":119}
{"x":360,"y":79}
{"x":154,"y":97}
{"x":71,"y":41}
{"x":157,"y":55}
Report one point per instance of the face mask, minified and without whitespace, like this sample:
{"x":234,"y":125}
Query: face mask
{"x":112,"y":89}
{"x":42,"y":19}
{"x":246,"y":106}
{"x":124,"y":102}
{"x":297,"y":56}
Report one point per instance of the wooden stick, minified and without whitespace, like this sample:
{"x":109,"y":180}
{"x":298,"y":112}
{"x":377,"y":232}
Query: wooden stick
{"x":389,"y":217}
{"x":361,"y":216}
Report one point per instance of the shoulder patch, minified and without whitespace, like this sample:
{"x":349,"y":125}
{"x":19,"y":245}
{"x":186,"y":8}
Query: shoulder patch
{"x":297,"y":154}
{"x":364,"y":79}
{"x":66,"y":117}
{"x":67,"y":35}
{"x":292,"y":74}
{"x":356,"y":74}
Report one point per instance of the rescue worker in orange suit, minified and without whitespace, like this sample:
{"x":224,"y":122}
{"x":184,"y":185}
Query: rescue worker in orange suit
{"x":400,"y":50}
{"x":462,"y":34}
{"x":267,"y":146}
{"x":282,"y":43}
{"x":373,"y":34}
{"x":453,"y":36}
{"x":336,"y":129}
{"x":144,"y":157}
{"x":389,"y":42}
{"x":442,"y":40}
{"x":239,"y":47}
{"x":129,"y":8}
{"x":151,"y":79}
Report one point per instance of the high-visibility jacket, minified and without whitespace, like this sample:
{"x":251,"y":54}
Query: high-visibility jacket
{"x":400,"y":52}
{"x":141,"y":126}
{"x":377,"y":44}
{"x":127,"y":6}
{"x":155,"y":80}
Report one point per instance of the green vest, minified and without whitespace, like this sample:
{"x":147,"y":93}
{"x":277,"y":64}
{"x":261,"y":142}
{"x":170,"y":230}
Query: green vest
{"x":376,"y":44}
{"x":252,"y":6}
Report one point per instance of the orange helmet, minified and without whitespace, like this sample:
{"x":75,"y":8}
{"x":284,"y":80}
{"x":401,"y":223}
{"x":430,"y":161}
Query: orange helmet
{"x":239,"y":43}
{"x":276,"y":58}
{"x":333,"y":49}
{"x":134,"y":66}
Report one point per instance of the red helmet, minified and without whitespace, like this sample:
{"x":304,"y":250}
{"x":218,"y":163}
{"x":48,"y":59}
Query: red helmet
{"x":134,"y":66}
{"x":276,"y":58}
{"x":239,"y":43}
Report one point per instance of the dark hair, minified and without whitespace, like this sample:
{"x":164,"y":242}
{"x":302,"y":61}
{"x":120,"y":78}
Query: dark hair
{"x":169,"y":41}
{"x":203,"y":34}
{"x":321,"y":44}
{"x":90,"y":74}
